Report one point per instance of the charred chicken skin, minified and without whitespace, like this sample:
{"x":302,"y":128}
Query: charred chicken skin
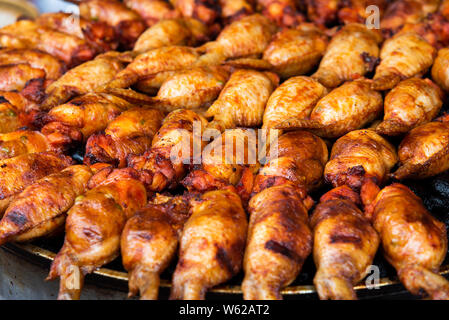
{"x":344,"y":244}
{"x":296,"y":51}
{"x":299,"y":158}
{"x":404,"y":56}
{"x":279,"y":240}
{"x":242,"y":101}
{"x":19,"y":172}
{"x":413,"y":241}
{"x":172,"y":32}
{"x":129,"y":133}
{"x":344,"y":109}
{"x":75,"y":121}
{"x":149,"y":242}
{"x":165,"y":164}
{"x":411,"y":103}
{"x":26,"y":34}
{"x":93,"y":229}
{"x":351,"y":53}
{"x":359,"y":157}
{"x":211,"y":245}
{"x":127,"y":23}
{"x":424,"y":151}
{"x":40,"y":209}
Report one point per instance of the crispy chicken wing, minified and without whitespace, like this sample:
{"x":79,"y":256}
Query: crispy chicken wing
{"x":279,"y":240}
{"x":322,"y":12}
{"x":211,"y":245}
{"x":15,"y":143}
{"x":360,"y":156}
{"x":346,"y":108}
{"x":81,"y":117}
{"x":285,"y":13}
{"x":36,"y":59}
{"x":98,"y":34}
{"x":19,"y":172}
{"x":149,"y":242}
{"x":296,"y":51}
{"x":129,"y":133}
{"x":299,"y":158}
{"x":153,"y":11}
{"x":351,"y":53}
{"x":166,"y":163}
{"x":401,"y":12}
{"x":40,"y":209}
{"x":413,"y":241}
{"x":26,"y":34}
{"x":82,"y":79}
{"x":127,"y":23}
{"x":242,"y":101}
{"x":440,"y":72}
{"x":15,"y":111}
{"x":404,"y":56}
{"x":172,"y":32}
{"x":14,"y":77}
{"x":295,"y":98}
{"x":93,"y":229}
{"x":411,"y":103}
{"x":344,"y":244}
{"x":424,"y":151}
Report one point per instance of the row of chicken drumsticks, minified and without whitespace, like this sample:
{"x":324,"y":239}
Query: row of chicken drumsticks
{"x":64,"y":82}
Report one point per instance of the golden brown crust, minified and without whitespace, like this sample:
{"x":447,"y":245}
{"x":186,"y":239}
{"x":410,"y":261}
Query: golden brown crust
{"x":440,"y":72}
{"x":279,"y":240}
{"x":211,"y":245}
{"x":14,"y":77}
{"x":153,"y":11}
{"x":414,"y":242}
{"x":15,"y":143}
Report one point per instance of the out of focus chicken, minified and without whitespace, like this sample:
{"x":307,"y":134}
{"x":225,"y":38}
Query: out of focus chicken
{"x":295,"y":98}
{"x":242,"y":101}
{"x":232,"y":10}
{"x":279,"y":241}
{"x":285,"y":13}
{"x":444,"y":8}
{"x":174,"y":146}
{"x":360,"y":157}
{"x":344,"y":109}
{"x":168,"y":32}
{"x":81,"y":117}
{"x":207,"y":11}
{"x":98,"y":34}
{"x":149,"y":242}
{"x":344,"y":244}
{"x":15,"y":111}
{"x":401,"y":12}
{"x":26,"y":34}
{"x":127,"y":23}
{"x":322,"y":12}
{"x":153,"y":11}
{"x":211,"y":245}
{"x":423,"y":151}
{"x":404,"y":56}
{"x":298,"y":157}
{"x":245,"y":37}
{"x":352,"y":52}
{"x":15,"y":143}
{"x":296,"y":51}
{"x":411,"y":103}
{"x":93,"y":229}
{"x":229,"y":161}
{"x":129,"y":133}
{"x":14,"y":77}
{"x":40,"y":209}
{"x":356,"y":11}
{"x":440,"y":72}
{"x":413,"y":241}
{"x":19,"y":172}
{"x":53,"y":67}
{"x":84,"y":78}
